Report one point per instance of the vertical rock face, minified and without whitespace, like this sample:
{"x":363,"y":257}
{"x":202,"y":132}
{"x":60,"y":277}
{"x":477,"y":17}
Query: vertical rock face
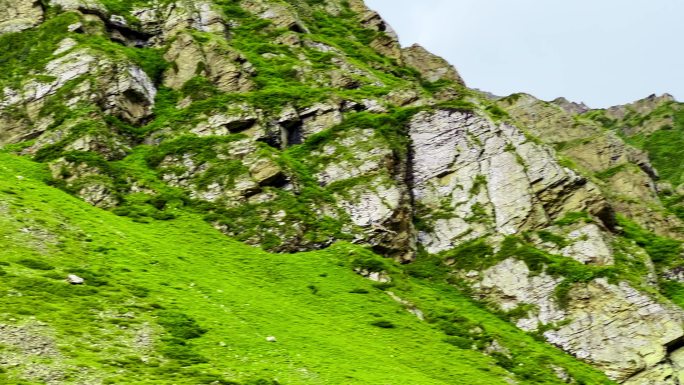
{"x":19,"y":15}
{"x":473,"y":177}
{"x":618,"y":329}
{"x":377,"y":197}
{"x":130,"y":94}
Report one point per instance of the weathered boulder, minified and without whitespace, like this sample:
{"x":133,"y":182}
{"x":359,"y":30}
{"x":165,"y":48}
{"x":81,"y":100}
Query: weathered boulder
{"x":265,"y":171}
{"x":75,"y":279}
{"x":405,"y":97}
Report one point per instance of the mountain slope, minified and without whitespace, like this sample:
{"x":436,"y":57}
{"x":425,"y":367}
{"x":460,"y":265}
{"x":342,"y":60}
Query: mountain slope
{"x":147,"y":285}
{"x":303,"y":126}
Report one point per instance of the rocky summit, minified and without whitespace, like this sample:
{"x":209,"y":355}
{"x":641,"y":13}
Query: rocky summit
{"x":277,"y":192}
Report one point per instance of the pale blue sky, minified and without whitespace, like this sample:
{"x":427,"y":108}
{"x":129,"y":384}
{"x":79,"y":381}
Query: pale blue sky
{"x":602,"y":52}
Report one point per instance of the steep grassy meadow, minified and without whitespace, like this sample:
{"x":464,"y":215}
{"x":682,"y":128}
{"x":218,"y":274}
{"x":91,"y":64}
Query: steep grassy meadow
{"x":177,"y":302}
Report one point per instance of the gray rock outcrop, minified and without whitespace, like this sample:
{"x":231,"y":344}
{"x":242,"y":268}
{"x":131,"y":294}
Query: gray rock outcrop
{"x":618,"y":329}
{"x":486,"y":177}
{"x":430,"y":66}
{"x":17,"y":16}
{"x":622,"y":331}
{"x":227,"y":69}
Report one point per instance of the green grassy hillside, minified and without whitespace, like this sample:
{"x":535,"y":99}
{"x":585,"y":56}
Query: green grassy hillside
{"x":176,"y":302}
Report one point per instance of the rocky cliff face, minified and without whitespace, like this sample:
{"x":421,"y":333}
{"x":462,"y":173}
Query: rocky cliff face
{"x":473,"y":177}
{"x":623,"y":169}
{"x":293,"y":125}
